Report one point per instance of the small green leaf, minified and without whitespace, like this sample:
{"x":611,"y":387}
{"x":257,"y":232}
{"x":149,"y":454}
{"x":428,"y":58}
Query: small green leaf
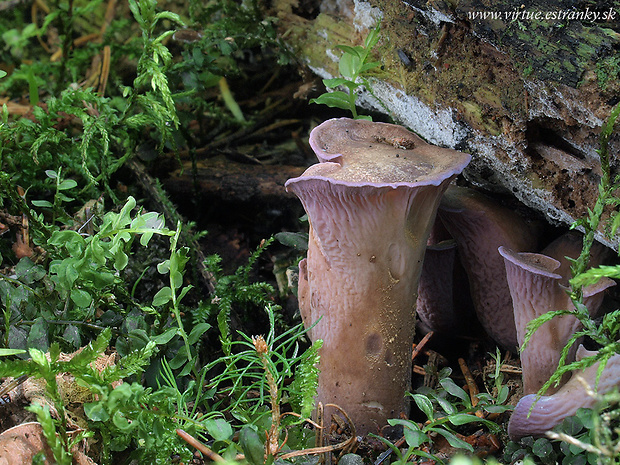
{"x":298,"y":241}
{"x":7,"y":352}
{"x":331,"y":83}
{"x":81,"y":298}
{"x":163,"y":267}
{"x":424,"y":404}
{"x":176,"y":279}
{"x":163,"y":296}
{"x":453,"y":440}
{"x":38,"y":356}
{"x":120,"y":260}
{"x":372,"y":38}
{"x":219,"y":429}
{"x":28,"y":272}
{"x":356,"y":51}
{"x":170,"y":16}
{"x":498,"y":408}
{"x":447,"y":407}
{"x":197,"y":331}
{"x":463,"y":418}
{"x":336,"y":99}
{"x":67,"y":184}
{"x":72,"y":335}
{"x":586,"y":417}
{"x":165,"y":337}
{"x":179,"y":359}
{"x":414,"y":437}
{"x":252,"y":446}
{"x":62,"y":197}
{"x":121,"y":422}
{"x":349,"y":66}
{"x":502,"y":395}
{"x":369,"y":66}
{"x":542,"y":448}
{"x":95,"y":411}
{"x":184,"y":291}
{"x":38,"y":336}
{"x":42,"y":203}
{"x":455,"y":390}
{"x":145,"y":238}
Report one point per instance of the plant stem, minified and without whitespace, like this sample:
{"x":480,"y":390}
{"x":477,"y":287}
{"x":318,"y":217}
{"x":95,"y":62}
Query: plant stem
{"x":272,"y":446}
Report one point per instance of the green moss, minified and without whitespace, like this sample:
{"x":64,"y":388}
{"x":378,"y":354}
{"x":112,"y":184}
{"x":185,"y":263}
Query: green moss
{"x":608,"y":70}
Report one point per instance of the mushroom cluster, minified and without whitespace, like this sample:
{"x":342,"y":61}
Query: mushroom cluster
{"x":510,"y":286}
{"x":371,"y":202}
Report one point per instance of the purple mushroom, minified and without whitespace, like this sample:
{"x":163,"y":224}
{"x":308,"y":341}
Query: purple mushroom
{"x":570,"y":245}
{"x":549,"y":411}
{"x":536,"y":289}
{"x":435,"y":303}
{"x":371,"y":202}
{"x":479,"y":227}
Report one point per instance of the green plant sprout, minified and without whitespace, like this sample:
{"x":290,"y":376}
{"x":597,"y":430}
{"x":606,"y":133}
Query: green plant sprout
{"x":353,"y":66}
{"x":446,"y":408}
{"x":49,"y":367}
{"x":60,"y":185}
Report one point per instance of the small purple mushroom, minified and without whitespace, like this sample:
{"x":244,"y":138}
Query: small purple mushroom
{"x":435,"y":303}
{"x":570,"y":245}
{"x":479,"y":227}
{"x":536,"y":289}
{"x":371,"y":202}
{"x":549,"y":411}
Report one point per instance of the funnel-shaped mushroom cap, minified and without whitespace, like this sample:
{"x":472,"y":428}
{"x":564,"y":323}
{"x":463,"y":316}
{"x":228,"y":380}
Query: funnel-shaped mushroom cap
{"x":479,"y":226}
{"x":536,"y":289}
{"x":549,"y":411}
{"x":363,"y":153}
{"x":370,"y":203}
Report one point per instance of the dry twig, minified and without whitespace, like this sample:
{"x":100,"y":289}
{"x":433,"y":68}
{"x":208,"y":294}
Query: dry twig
{"x":196,"y":444}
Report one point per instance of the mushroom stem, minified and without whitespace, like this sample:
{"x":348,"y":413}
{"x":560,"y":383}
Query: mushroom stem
{"x":479,"y":227}
{"x":435,"y":302}
{"x":371,"y":203}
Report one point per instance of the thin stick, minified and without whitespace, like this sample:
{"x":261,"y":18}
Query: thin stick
{"x":418,"y":370}
{"x":195,"y":443}
{"x":346,"y":417}
{"x":471,"y":384}
{"x":417,"y":348}
{"x":318,"y":439}
{"x":105,"y":70}
{"x":344,"y":445}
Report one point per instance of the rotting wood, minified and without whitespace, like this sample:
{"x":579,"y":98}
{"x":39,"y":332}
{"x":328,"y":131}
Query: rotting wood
{"x":234,"y":181}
